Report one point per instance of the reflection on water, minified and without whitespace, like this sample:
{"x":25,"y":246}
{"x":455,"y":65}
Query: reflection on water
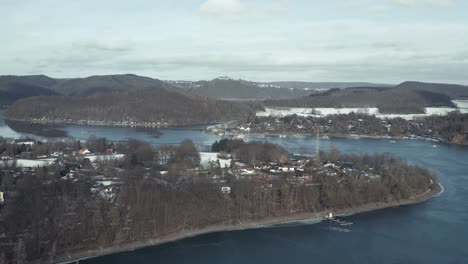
{"x":39,"y":130}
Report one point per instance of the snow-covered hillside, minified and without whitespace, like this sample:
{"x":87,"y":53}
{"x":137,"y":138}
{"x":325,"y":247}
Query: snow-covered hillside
{"x":462,"y":106}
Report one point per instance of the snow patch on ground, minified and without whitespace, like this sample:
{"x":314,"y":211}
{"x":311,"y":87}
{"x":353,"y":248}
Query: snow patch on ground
{"x":207,"y":158}
{"x":26,"y":163}
{"x":94,"y":158}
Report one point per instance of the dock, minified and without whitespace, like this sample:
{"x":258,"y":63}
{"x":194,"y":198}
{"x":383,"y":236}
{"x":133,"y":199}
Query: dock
{"x":337,"y":221}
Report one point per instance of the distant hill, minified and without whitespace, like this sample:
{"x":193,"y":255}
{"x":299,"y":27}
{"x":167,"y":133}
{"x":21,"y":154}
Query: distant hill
{"x":109,"y":83}
{"x":224,"y":88}
{"x":325,"y":85}
{"x":455,"y":91}
{"x":407,"y":96}
{"x":13,"y":88}
{"x":38,"y":80}
{"x":138,"y":106}
{"x":388,"y":100}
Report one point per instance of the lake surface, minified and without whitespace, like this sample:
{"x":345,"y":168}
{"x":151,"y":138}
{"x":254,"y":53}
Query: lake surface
{"x":432,"y":232}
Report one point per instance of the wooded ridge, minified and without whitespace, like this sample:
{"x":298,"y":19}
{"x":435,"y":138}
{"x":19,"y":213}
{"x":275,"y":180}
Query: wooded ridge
{"x":153,"y":108}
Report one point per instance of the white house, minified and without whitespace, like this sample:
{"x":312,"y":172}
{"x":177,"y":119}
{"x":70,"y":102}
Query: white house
{"x":1,"y":198}
{"x":226,"y":190}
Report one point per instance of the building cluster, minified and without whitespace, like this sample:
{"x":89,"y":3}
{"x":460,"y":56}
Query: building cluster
{"x":83,"y":165}
{"x":353,"y":124}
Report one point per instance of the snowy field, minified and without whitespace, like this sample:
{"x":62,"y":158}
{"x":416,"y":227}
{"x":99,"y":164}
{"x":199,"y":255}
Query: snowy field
{"x":26,"y":163}
{"x":94,"y":158}
{"x":206,"y":158}
{"x":285,"y":111}
{"x":462,"y":106}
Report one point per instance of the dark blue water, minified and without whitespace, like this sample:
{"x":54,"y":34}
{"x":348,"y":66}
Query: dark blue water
{"x":432,"y":232}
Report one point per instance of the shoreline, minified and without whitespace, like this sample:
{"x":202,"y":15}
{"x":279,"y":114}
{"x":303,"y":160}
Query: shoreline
{"x":251,"y":224}
{"x":108,"y":123}
{"x":166,"y":125}
{"x":348,"y":136}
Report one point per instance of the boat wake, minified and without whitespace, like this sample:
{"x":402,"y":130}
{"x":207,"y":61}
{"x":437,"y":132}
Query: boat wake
{"x":339,"y":229}
{"x":442,"y":190}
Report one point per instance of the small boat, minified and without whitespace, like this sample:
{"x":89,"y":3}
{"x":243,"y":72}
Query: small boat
{"x":393,"y":141}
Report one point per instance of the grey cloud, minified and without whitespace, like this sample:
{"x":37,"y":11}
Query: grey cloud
{"x":385,"y":45}
{"x":372,"y":68}
{"x":111,"y":46}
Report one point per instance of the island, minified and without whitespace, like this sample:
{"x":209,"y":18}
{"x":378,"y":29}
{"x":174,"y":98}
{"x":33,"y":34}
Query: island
{"x":69,"y":200}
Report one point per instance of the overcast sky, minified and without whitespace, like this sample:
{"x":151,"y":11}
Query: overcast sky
{"x":264,"y":40}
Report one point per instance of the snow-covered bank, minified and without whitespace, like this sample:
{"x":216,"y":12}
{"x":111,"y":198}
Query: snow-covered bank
{"x":285,"y":111}
{"x":462,"y":106}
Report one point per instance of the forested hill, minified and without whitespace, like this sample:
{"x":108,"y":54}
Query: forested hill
{"x":13,"y":88}
{"x":388,"y":100}
{"x":110,"y":83}
{"x":223,"y":88}
{"x":455,"y":91}
{"x":409,"y":95}
{"x":160,"y":106}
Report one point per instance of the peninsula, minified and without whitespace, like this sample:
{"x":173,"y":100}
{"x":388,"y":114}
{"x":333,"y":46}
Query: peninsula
{"x":99,"y":197}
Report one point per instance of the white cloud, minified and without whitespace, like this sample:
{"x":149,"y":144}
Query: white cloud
{"x":425,"y":3}
{"x":222,"y":7}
